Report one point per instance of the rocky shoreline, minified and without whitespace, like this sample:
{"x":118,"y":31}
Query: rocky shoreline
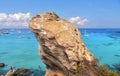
{"x":20,"y":71}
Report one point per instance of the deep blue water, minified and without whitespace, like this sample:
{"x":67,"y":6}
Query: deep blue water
{"x":19,"y":48}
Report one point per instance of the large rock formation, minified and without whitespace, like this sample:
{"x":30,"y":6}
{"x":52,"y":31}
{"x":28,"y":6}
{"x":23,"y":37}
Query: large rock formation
{"x":61,"y":47}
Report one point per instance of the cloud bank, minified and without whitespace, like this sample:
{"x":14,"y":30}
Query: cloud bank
{"x":22,"y":20}
{"x":78,"y":21}
{"x":17,"y":19}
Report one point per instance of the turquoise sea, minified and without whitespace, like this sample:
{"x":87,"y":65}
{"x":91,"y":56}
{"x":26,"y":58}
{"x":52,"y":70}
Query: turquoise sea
{"x":19,"y":48}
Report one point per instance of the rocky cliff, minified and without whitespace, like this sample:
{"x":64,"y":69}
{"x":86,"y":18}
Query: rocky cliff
{"x":61,"y":47}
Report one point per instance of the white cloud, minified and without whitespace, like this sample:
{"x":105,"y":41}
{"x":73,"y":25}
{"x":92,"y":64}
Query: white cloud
{"x":17,"y":19}
{"x":78,"y":21}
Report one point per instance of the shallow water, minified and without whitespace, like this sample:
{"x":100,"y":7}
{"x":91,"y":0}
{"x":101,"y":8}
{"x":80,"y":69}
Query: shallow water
{"x":19,"y":48}
{"x":104,"y":44}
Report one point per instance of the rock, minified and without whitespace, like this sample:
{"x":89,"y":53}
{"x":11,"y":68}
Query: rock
{"x":19,"y":72}
{"x":23,"y":72}
{"x":61,"y":47}
{"x":10,"y":72}
{"x":2,"y":65}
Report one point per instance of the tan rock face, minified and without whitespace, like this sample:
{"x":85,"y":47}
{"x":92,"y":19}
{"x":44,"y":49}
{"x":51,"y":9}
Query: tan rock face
{"x":61,"y":47}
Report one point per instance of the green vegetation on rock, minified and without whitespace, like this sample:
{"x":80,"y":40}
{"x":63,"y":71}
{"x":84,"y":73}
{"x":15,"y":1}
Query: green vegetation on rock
{"x":104,"y":71}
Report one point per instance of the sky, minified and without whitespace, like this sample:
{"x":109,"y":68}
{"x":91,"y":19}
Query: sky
{"x":82,"y":13}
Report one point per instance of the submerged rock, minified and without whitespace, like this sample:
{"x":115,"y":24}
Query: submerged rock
{"x":61,"y":47}
{"x":2,"y":65}
{"x":23,"y":72}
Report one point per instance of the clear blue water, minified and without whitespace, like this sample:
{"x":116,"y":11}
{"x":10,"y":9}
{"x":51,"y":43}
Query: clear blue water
{"x":104,"y":44}
{"x":19,"y":48}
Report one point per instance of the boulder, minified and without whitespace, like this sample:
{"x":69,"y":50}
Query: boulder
{"x":10,"y":73}
{"x":2,"y":65}
{"x":23,"y":72}
{"x":61,"y":47}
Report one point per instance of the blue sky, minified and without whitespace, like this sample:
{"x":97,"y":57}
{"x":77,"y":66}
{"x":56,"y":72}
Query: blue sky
{"x":92,"y":13}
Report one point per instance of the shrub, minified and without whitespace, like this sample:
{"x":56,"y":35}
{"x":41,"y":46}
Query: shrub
{"x":105,"y":72}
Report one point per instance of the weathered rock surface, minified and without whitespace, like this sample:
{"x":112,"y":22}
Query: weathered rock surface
{"x":10,"y":73}
{"x":61,"y":47}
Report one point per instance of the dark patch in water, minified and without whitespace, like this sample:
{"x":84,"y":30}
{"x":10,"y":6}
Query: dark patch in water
{"x":117,"y":67}
{"x":2,"y":72}
{"x":118,"y":32}
{"x":114,"y":35}
{"x":108,"y":44}
{"x":110,"y":67}
{"x":1,"y":56}
{"x":38,"y":72}
{"x":4,"y":53}
{"x":117,"y":55}
{"x":114,"y":67}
